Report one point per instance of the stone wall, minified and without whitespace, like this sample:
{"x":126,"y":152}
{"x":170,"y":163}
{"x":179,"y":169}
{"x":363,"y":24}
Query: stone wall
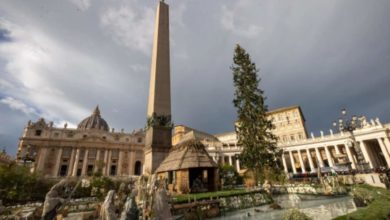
{"x":244,"y":201}
{"x":372,"y":179}
{"x":312,"y":189}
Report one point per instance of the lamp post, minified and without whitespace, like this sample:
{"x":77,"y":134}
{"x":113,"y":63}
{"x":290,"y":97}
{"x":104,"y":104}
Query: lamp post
{"x":349,"y":125}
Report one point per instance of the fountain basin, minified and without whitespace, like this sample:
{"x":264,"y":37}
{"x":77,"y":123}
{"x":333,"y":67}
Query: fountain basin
{"x":316,"y":207}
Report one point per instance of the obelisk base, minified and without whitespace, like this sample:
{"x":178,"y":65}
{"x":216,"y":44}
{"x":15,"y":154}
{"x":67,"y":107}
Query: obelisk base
{"x":158,"y":142}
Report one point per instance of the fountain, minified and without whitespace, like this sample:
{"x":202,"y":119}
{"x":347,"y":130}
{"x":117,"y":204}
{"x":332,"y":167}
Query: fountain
{"x":314,"y":206}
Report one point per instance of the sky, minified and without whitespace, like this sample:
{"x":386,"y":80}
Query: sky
{"x":61,"y":58}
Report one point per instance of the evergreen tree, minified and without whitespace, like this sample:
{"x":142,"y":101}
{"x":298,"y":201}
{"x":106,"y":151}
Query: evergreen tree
{"x":259,"y":152}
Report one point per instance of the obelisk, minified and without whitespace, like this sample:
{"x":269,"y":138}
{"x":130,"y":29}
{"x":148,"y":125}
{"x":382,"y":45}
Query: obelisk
{"x":159,"y":127}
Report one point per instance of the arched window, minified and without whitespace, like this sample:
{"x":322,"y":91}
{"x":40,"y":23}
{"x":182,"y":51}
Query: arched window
{"x":137,"y":168}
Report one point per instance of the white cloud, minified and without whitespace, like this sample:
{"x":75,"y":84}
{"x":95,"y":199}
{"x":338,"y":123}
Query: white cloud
{"x":19,"y":105}
{"x":130,"y":26}
{"x":244,"y":28}
{"x":4,"y":84}
{"x":38,"y":65}
{"x":138,"y":68}
{"x":177,"y":13}
{"x":82,"y":5}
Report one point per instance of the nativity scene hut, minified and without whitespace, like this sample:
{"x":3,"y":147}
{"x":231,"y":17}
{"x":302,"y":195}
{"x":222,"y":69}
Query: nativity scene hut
{"x":188,"y":168}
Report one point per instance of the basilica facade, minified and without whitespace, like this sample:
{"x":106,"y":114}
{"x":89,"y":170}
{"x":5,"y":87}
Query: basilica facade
{"x":90,"y":148}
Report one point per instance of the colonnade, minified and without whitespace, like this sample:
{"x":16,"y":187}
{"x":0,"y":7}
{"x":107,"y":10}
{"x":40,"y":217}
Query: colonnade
{"x":235,"y":164}
{"x":376,"y":153}
{"x":79,"y":161}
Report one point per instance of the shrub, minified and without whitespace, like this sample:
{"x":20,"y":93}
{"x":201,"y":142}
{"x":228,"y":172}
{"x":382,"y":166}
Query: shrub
{"x":229,"y":176}
{"x":295,"y":214}
{"x":361,"y":197}
{"x":100,"y":185}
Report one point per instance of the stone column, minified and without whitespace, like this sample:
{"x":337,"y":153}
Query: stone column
{"x":58,"y":162}
{"x":365,"y":154}
{"x":337,"y":149}
{"x":71,"y":162}
{"x":284,"y":163}
{"x":387,"y":144}
{"x":230,"y":161}
{"x":109,"y":162}
{"x":301,"y":162}
{"x":292,"y":162}
{"x":76,"y":161}
{"x":310,"y":160}
{"x":350,"y":157}
{"x":120,"y":161}
{"x":319,"y":158}
{"x":104,"y":169}
{"x":238,"y":165}
{"x":329,"y":157}
{"x":85,"y":163}
{"x":384,"y":151}
{"x":131,"y":155}
{"x":95,"y":168}
{"x":42,"y":159}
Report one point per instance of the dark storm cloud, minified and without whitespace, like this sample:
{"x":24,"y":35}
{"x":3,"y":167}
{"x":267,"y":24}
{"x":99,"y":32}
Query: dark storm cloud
{"x":4,"y":35}
{"x":67,"y":56}
{"x":320,"y":55}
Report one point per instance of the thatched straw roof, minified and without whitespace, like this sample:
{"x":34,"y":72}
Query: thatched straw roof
{"x":189,"y":153}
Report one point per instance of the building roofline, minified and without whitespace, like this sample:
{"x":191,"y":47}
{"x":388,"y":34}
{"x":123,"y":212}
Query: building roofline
{"x":196,"y":130}
{"x":282,"y":109}
{"x":267,"y":113}
{"x":224,"y":133}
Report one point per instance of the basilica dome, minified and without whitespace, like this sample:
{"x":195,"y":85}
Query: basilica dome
{"x":95,"y":121}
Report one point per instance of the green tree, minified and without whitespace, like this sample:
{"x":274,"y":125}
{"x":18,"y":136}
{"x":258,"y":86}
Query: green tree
{"x":229,"y":176}
{"x":259,"y":152}
{"x":19,"y":185}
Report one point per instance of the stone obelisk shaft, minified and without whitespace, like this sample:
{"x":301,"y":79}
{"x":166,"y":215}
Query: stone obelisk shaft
{"x":158,"y":139}
{"x":160,"y":86}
